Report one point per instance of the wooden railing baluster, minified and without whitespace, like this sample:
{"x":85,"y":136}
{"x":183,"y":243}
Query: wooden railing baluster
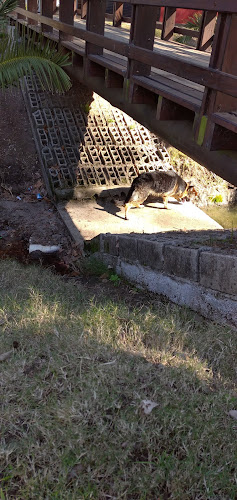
{"x":117,"y":14}
{"x":47,"y":8}
{"x":168,"y":23}
{"x":67,"y":9}
{"x":32,"y":6}
{"x":83,"y":9}
{"x":206,"y":33}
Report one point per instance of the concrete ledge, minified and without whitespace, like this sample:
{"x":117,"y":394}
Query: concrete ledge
{"x":201,"y":278}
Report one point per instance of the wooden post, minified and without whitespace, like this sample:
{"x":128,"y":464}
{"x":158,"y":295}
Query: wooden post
{"x":32,"y":6}
{"x":168,"y":23}
{"x":47,"y":10}
{"x":95,"y":21}
{"x":83,"y":9}
{"x":21,"y":4}
{"x":66,"y":15}
{"x":223,"y":58}
{"x":206,"y":33}
{"x":142,"y":34}
{"x":117,"y":14}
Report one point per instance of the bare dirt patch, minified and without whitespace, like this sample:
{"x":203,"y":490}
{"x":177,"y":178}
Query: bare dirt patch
{"x":24,"y":218}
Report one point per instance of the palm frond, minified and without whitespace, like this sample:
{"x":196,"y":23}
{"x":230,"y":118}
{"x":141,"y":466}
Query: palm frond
{"x":7,"y":6}
{"x":20,"y":58}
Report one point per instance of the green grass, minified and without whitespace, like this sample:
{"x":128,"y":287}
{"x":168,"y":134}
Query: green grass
{"x":72,"y":426}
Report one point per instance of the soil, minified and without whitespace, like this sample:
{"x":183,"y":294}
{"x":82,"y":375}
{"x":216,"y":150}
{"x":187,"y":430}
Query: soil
{"x":24,"y":218}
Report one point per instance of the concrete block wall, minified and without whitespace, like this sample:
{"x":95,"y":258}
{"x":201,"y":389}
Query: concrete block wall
{"x":200,"y":277}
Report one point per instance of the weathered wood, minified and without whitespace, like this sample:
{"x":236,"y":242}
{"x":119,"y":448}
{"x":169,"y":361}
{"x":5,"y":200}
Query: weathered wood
{"x":32,"y":5}
{"x":109,"y":64}
{"x":142,"y":35}
{"x":67,"y":9}
{"x":209,"y":77}
{"x":117,"y":14}
{"x":168,"y":110}
{"x":168,"y":23}
{"x":84,"y":5}
{"x":22,"y":5}
{"x":47,"y":8}
{"x":206,"y":33}
{"x":226,"y":120}
{"x":217,"y":5}
{"x":113,"y":80}
{"x":95,"y":22}
{"x":169,"y":92}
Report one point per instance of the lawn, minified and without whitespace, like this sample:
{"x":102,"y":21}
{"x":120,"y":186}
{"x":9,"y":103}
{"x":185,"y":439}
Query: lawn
{"x":84,"y":354}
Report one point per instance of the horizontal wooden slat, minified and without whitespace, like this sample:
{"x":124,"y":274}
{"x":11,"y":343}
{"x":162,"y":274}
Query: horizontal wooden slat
{"x":217,"y":5}
{"x":107,"y":63}
{"x":226,"y":120}
{"x":208,"y":77}
{"x":169,"y":92}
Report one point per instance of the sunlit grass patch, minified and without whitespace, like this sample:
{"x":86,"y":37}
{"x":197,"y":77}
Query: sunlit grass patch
{"x":72,"y":424}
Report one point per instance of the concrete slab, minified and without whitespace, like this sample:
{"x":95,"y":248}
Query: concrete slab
{"x":90,"y":218}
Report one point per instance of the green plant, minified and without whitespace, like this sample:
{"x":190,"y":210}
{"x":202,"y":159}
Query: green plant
{"x":194,"y":23}
{"x":27,"y":54}
{"x":217,"y":199}
{"x":114,"y":278}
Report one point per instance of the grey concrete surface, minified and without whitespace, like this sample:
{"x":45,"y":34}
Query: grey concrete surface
{"x":92,"y":217}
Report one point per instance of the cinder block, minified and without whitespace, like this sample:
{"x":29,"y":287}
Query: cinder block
{"x":150,"y":253}
{"x":38,"y":118}
{"x":128,"y":248}
{"x":219,"y":271}
{"x":181,"y":261}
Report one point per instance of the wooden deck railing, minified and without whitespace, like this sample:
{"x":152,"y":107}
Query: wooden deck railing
{"x":204,"y":94}
{"x":168,"y":27}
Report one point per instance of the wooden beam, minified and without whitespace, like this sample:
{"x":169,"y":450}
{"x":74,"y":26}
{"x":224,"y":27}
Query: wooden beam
{"x":213,"y":78}
{"x":217,"y":5}
{"x":206,"y":33}
{"x":84,"y":5}
{"x":168,"y":23}
{"x":32,"y":5}
{"x":47,"y":10}
{"x":67,"y":9}
{"x":22,"y":5}
{"x":142,"y":35}
{"x":95,"y":22}
{"x":117,"y":14}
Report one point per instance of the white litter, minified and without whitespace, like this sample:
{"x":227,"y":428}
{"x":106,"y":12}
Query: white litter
{"x":43,"y":248}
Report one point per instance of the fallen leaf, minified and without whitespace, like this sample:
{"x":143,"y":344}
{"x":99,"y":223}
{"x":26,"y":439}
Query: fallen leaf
{"x":147,"y":406}
{"x":233,"y":414}
{"x":5,"y":355}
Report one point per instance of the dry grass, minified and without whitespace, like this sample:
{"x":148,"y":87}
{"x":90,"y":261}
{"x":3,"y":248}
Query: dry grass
{"x":72,"y":426}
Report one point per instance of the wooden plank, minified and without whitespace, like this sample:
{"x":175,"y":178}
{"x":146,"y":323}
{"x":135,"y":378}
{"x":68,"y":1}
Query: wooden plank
{"x":84,"y":5}
{"x":217,"y":5}
{"x":47,"y":10}
{"x":95,"y":22}
{"x":22,"y":5}
{"x":107,"y":63}
{"x":226,"y":120}
{"x":212,"y":78}
{"x":117,"y":14}
{"x":169,"y":110}
{"x":177,"y":86}
{"x":168,"y":92}
{"x":168,"y":23}
{"x":32,"y":5}
{"x":67,"y":10}
{"x":142,"y":35}
{"x":206,"y":33}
